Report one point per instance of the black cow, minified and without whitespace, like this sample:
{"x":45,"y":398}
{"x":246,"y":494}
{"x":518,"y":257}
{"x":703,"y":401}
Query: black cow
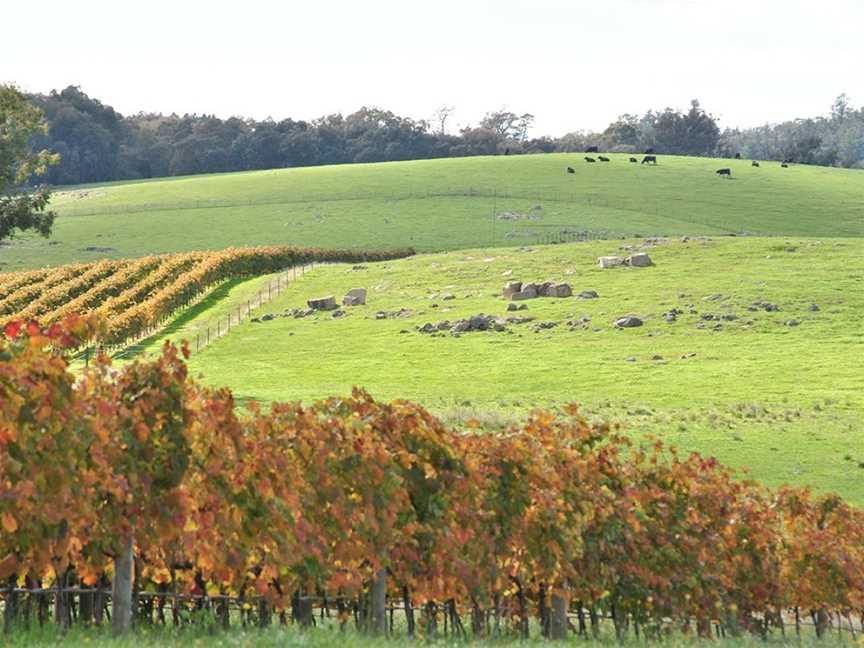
{"x":649,"y":159}
{"x":592,"y":149}
{"x":602,"y":159}
{"x":754,"y":163}
{"x":784,"y":165}
{"x":649,"y":151}
{"x":724,"y":173}
{"x":633,"y":160}
{"x":571,"y":170}
{"x":590,"y":159}
{"x":737,"y":156}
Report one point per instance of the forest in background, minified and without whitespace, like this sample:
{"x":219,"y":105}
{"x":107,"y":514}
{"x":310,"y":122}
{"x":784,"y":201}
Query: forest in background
{"x":96,"y":143}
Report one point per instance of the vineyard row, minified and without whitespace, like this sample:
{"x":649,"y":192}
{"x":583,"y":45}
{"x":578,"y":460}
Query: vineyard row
{"x":146,"y":481}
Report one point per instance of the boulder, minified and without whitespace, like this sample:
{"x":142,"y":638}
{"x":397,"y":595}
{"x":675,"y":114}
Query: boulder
{"x":448,"y":296}
{"x":560,"y":290}
{"x":511,"y":288}
{"x":629,"y":321}
{"x":322,"y":303}
{"x":355,"y":297}
{"x":528,"y":292}
{"x":610,"y":261}
{"x":588,"y":294}
{"x":267,"y":317}
{"x":639,"y":260}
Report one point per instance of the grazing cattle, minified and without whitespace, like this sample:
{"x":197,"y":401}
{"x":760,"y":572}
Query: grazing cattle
{"x":592,"y":149}
{"x":754,"y":163}
{"x":571,"y":170}
{"x":590,"y":159}
{"x":727,"y":173}
{"x":788,"y":161}
{"x":633,"y":160}
{"x":737,"y":156}
{"x":784,"y":165}
{"x":649,"y":159}
{"x":602,"y":159}
{"x":649,"y":151}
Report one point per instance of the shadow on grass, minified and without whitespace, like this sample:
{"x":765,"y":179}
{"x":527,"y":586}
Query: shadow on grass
{"x":210,"y":301}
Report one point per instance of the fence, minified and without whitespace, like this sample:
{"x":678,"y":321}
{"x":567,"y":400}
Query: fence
{"x":208,"y":332}
{"x":68,"y":606}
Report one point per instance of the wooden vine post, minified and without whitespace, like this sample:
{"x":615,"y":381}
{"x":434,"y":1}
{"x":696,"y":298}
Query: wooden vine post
{"x":121,"y":589}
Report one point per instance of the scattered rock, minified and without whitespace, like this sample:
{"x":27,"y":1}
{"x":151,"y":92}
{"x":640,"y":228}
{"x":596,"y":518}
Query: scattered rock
{"x":255,"y":320}
{"x":715,"y":297}
{"x":338,"y":313}
{"x":610,"y":261}
{"x":588,"y":294}
{"x":322,"y":303}
{"x":95,"y":248}
{"x":656,"y":357}
{"x":512,"y":307}
{"x":792,"y":322}
{"x":507,"y":273}
{"x":629,"y":321}
{"x":511,"y":289}
{"x":631,"y":359}
{"x":267,"y":317}
{"x":763,"y":305}
{"x":688,"y":355}
{"x":813,"y":308}
{"x":355,"y":297}
{"x":298,"y":313}
{"x":358,"y":267}
{"x":448,"y":296}
{"x":543,"y":326}
{"x":639,"y":260}
{"x":519,"y":320}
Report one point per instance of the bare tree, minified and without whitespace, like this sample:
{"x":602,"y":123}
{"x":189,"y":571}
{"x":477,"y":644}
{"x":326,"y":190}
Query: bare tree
{"x":441,"y":116}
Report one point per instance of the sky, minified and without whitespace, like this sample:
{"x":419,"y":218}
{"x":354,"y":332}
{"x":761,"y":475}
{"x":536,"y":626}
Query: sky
{"x":573,"y":64}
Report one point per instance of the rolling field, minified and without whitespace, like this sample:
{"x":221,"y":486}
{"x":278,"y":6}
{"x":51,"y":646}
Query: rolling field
{"x":784,"y":400}
{"x":446,"y":204}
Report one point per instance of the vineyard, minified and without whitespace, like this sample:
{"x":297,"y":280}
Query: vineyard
{"x":142,"y":481}
{"x":134,"y":296}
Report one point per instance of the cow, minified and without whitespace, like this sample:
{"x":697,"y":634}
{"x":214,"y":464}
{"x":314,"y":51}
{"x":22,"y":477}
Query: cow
{"x":632,"y":159}
{"x":571,"y":170}
{"x":602,"y":159}
{"x":727,"y":173}
{"x":737,"y":156}
{"x":649,"y":159}
{"x":649,"y":151}
{"x":754,"y":163}
{"x":592,"y":149}
{"x":784,"y":165}
{"x":590,"y":159}
{"x":788,"y":161}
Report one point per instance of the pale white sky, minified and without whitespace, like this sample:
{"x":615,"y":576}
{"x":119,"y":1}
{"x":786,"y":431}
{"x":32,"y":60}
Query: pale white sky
{"x":575,"y":64}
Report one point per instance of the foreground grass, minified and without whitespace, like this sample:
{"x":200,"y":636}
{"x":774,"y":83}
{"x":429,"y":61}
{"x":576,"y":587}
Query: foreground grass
{"x":325,"y":638}
{"x":444,"y":205}
{"x":784,"y":401}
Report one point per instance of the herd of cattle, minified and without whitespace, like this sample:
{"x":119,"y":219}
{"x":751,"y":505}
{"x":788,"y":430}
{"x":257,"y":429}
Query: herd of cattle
{"x":650,"y":158}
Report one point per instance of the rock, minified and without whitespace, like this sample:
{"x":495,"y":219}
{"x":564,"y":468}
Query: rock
{"x":543,"y":326}
{"x":813,"y":308}
{"x":322,"y":303}
{"x":629,"y":321}
{"x":684,"y":239}
{"x":610,"y":261}
{"x":519,"y":320}
{"x":522,"y":307}
{"x":639,"y":260}
{"x":479,"y":322}
{"x":255,"y":320}
{"x":507,"y":273}
{"x":461,"y":326}
{"x":355,"y":297}
{"x":428,"y":327}
{"x":793,"y":322}
{"x":529,"y":292}
{"x":358,"y":267}
{"x":511,"y":288}
{"x":560,"y":290}
{"x":588,"y":294}
{"x":631,"y":359}
{"x":267,"y":317}
{"x":380,"y":315}
{"x":338,"y":313}
{"x":688,"y":355}
{"x":656,"y":357}
{"x":448,"y":296}
{"x":729,"y":317}
{"x":512,"y":307}
{"x":716,"y":297}
{"x":444,"y":326}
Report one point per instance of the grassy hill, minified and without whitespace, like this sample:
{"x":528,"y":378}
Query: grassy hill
{"x":785,"y":400}
{"x":444,"y":204}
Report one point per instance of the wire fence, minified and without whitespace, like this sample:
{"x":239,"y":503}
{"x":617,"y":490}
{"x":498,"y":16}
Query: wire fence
{"x":68,"y":606}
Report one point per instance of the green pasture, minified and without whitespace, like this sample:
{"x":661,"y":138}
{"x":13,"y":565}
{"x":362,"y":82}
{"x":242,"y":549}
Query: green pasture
{"x":784,"y":400}
{"x":445,"y":204}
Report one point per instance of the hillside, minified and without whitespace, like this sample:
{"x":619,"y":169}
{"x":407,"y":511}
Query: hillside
{"x":445,"y":204}
{"x":778,"y":390}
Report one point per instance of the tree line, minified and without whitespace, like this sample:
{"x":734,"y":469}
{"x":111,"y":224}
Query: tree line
{"x":96,"y":143}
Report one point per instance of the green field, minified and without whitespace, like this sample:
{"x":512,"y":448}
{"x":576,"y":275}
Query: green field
{"x":786,"y":401}
{"x":444,"y":205}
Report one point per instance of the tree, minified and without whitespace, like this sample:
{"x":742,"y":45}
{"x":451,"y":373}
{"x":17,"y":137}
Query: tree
{"x":19,"y":121}
{"x":508,"y":125}
{"x":441,"y":116}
